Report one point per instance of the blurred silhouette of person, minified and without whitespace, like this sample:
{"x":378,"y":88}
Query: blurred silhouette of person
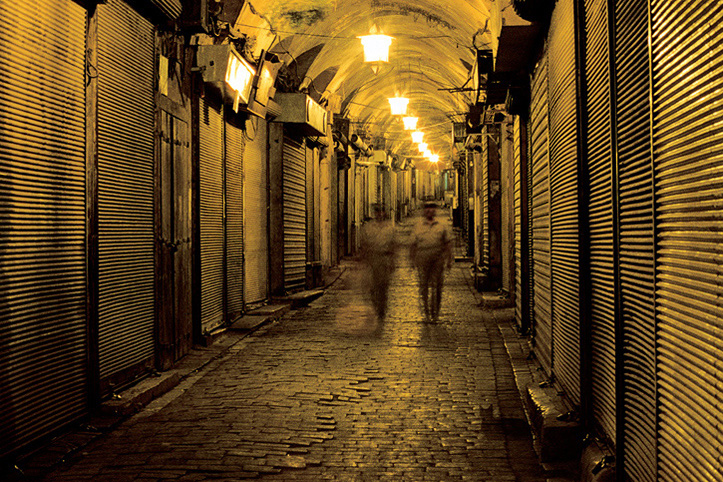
{"x":378,"y":247}
{"x":431,"y":253}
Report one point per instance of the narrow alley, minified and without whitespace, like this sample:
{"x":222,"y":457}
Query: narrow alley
{"x":330,"y":393}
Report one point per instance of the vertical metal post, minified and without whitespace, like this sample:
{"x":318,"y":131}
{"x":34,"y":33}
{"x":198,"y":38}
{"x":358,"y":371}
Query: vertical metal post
{"x":583,"y":177}
{"x":91,"y":201}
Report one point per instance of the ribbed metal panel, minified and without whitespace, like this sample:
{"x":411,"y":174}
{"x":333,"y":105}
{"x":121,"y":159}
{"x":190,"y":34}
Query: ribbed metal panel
{"x":540,"y":216}
{"x":234,"y":219}
{"x":483,"y":164}
{"x":637,"y":266}
{"x":294,"y":165}
{"x":170,"y":8}
{"x":42,"y":213}
{"x":126,"y":125}
{"x":256,"y":193}
{"x":688,"y":153}
{"x":601,"y":216}
{"x":564,"y":209}
{"x":212,"y":197}
{"x":517,"y":162}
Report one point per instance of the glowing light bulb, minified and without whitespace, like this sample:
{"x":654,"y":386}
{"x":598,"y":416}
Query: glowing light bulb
{"x":417,"y":137}
{"x":422,"y":146}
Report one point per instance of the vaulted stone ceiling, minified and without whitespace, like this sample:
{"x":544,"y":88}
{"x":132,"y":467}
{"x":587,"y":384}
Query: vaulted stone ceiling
{"x":429,"y":60}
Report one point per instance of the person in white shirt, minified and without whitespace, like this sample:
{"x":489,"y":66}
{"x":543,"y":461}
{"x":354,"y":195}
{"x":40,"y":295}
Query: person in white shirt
{"x":431,"y":253}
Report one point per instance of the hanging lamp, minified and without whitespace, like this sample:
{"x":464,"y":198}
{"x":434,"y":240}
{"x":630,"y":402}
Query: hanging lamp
{"x":422,"y":146}
{"x":410,"y":123}
{"x":376,"y":47}
{"x":417,"y":137}
{"x":398,"y":105}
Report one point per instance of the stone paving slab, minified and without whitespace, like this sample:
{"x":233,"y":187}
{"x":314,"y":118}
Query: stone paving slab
{"x":329,"y":392}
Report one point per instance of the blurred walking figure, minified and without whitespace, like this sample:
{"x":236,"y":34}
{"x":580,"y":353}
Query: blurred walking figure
{"x":431,"y":252}
{"x":378,"y":246}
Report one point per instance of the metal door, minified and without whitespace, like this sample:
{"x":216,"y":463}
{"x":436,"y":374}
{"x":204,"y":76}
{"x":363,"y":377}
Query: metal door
{"x":212,"y":214}
{"x":126,"y":187}
{"x":602,"y":253}
{"x":175,"y":290}
{"x":294,"y":198}
{"x":565,"y":254}
{"x":540,"y":217}
{"x":234,"y":185}
{"x":688,"y":155}
{"x":43,"y":345}
{"x":256,"y":194}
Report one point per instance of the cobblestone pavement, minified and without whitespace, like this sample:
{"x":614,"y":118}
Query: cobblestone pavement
{"x":330,"y":393}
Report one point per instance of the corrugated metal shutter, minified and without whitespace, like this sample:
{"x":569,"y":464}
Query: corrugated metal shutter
{"x":564,"y":209}
{"x":540,"y":217}
{"x":212,"y":197}
{"x":599,"y":160}
{"x":521,"y":232}
{"x":688,"y":152}
{"x":294,"y":188}
{"x":170,"y":8}
{"x":126,"y":126}
{"x":256,"y":193}
{"x":42,"y":211}
{"x":637,"y":266}
{"x":234,"y":220}
{"x":483,"y":164}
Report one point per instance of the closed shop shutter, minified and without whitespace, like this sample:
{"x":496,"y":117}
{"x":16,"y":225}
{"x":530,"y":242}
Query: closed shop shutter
{"x":256,"y":193}
{"x":540,"y":217}
{"x":482,"y":166}
{"x":43,"y":345}
{"x":126,"y":126}
{"x":294,"y":188}
{"x":564,"y":208}
{"x":600,"y":216}
{"x":234,"y":219}
{"x":170,"y":8}
{"x":212,"y":213}
{"x":688,"y":153}
{"x":637,"y":266}
{"x":522,"y":278}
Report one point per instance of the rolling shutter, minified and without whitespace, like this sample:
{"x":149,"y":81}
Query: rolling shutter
{"x":294,"y":189}
{"x":256,"y":193}
{"x":482,"y":165}
{"x":601,"y":216}
{"x":234,"y":220}
{"x":522,"y":278}
{"x":637,"y":268}
{"x":126,"y":126}
{"x":540,"y":217}
{"x":170,"y":8}
{"x":43,"y":345}
{"x":688,"y":153}
{"x":212,"y":197}
{"x":564,"y":209}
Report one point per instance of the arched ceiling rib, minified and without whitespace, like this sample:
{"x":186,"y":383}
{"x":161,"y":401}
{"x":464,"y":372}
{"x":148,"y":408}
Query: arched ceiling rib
{"x":430,"y":58}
